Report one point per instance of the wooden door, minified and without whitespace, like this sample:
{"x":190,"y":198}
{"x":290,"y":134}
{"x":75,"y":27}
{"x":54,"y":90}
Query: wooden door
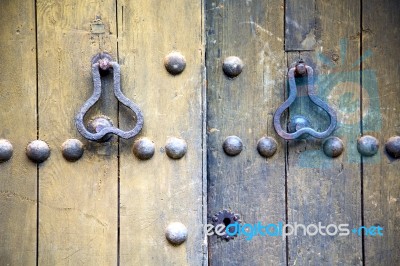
{"x":352,"y":47}
{"x":112,"y":208}
{"x":108,"y":207}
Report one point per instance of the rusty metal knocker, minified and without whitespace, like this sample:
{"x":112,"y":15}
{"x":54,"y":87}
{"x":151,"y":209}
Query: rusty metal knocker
{"x":301,"y":126}
{"x":102,"y":62}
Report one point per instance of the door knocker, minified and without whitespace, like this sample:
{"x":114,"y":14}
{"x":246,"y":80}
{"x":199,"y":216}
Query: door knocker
{"x":299,"y":124}
{"x":102,"y":127}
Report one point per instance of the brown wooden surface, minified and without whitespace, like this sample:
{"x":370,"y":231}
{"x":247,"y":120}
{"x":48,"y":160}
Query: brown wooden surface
{"x":161,"y":190}
{"x":247,"y":184}
{"x":78,"y":201}
{"x":300,"y":25}
{"x":18,"y":125}
{"x":381,"y":190}
{"x":109,"y":208}
{"x":319,"y":188}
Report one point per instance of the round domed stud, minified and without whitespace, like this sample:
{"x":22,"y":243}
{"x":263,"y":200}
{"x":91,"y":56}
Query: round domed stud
{"x":392,"y":146}
{"x":333,"y":147}
{"x":143,"y":148}
{"x":175,"y":148}
{"x":367,"y":145}
{"x":176,"y":233}
{"x":72,"y":149}
{"x":175,"y":63}
{"x":232,"y":145}
{"x":38,"y":151}
{"x":96,"y":124}
{"x":301,"y":68}
{"x":267,"y":146}
{"x":298,"y":122}
{"x":232,"y":66}
{"x":6,"y":150}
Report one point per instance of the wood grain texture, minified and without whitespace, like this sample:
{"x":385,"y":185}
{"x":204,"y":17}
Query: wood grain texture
{"x":161,"y":190}
{"x":300,"y":22}
{"x":18,"y":125}
{"x":78,"y":201}
{"x":247,"y":184}
{"x":322,"y":189}
{"x":381,"y":115}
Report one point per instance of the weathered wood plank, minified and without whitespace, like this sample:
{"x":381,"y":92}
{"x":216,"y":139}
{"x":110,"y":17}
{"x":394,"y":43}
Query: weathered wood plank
{"x":322,"y":189}
{"x":247,"y":184}
{"x":78,"y":201}
{"x":161,"y":190}
{"x":381,"y":115}
{"x":18,"y":125}
{"x":300,"y":22}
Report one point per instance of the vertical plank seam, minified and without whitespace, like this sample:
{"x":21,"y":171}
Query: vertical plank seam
{"x":37,"y":130}
{"x":362,"y":132}
{"x":203,"y":131}
{"x":286,"y":158}
{"x":118,"y":154}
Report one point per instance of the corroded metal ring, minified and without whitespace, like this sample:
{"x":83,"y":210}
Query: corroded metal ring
{"x":103,"y":63}
{"x":312,"y":94}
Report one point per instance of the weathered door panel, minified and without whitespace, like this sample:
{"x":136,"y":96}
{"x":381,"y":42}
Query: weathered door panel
{"x":18,"y":189}
{"x":321,"y":189}
{"x":159,"y":191}
{"x":78,"y":210}
{"x":380,"y":113}
{"x":247,"y":184}
{"x":111,"y":208}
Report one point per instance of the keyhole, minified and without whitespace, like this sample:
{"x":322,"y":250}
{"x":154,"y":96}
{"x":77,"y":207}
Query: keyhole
{"x":227,"y":221}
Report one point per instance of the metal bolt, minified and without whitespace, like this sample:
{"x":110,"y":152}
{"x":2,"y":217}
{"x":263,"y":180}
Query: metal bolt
{"x":175,"y":63}
{"x":98,"y":123}
{"x":267,"y":146}
{"x":232,"y":145}
{"x":298,"y":122}
{"x":393,"y":146}
{"x":176,"y":233}
{"x":232,"y":66}
{"x":367,"y":145}
{"x":300,"y":69}
{"x":72,"y":149}
{"x":6,"y":150}
{"x":104,"y":60}
{"x":143,"y":148}
{"x":333,"y":147}
{"x":175,"y":148}
{"x":38,"y":151}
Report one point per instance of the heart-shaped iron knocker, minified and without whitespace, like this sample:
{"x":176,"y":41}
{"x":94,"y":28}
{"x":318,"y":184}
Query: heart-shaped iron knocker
{"x":103,"y":62}
{"x":301,"y":126}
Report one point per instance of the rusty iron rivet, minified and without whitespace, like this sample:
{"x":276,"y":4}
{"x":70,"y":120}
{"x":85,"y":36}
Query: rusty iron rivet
{"x":176,"y":233}
{"x":175,"y":63}
{"x":72,"y":149}
{"x":96,"y":124}
{"x":393,"y":147}
{"x":143,"y":148}
{"x":333,"y":147}
{"x":175,"y":148}
{"x":267,"y":146}
{"x":367,"y":145}
{"x":232,"y":66}
{"x":38,"y":151}
{"x":232,"y":145}
{"x":6,"y":150}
